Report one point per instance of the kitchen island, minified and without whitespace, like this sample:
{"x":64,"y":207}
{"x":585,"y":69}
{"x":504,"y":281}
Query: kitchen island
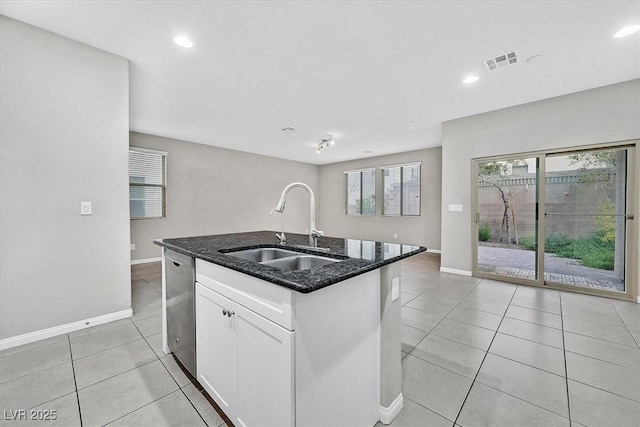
{"x":279,"y":343}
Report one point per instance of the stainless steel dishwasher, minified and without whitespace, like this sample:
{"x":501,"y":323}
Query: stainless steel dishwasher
{"x":181,"y":316}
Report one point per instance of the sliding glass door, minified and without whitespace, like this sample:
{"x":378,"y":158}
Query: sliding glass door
{"x":585,"y":219}
{"x":507,"y":199}
{"x":555,"y":219}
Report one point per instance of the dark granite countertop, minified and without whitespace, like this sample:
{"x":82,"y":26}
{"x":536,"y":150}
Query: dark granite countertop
{"x":357,"y":256}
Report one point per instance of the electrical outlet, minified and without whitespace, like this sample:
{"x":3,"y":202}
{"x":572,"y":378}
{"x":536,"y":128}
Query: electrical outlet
{"x":85,"y":208}
{"x":133,"y":246}
{"x":395,"y":288}
{"x":395,"y":235}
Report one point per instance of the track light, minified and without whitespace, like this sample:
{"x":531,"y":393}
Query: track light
{"x":325,"y":142}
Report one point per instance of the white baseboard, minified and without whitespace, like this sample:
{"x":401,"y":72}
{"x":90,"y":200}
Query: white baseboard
{"x":388,"y":414}
{"x":63,"y":329}
{"x":434,"y":251}
{"x":145,"y":260}
{"x":455,"y":271}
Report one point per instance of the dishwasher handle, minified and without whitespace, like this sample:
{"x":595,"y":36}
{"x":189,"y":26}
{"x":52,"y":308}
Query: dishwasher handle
{"x":176,"y":263}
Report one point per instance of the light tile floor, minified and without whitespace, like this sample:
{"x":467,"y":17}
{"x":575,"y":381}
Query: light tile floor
{"x":475,"y":353}
{"x":112,"y":374}
{"x":486,"y":353}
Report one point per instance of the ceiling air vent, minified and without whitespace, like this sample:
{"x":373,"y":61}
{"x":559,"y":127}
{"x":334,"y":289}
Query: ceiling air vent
{"x":501,"y":61}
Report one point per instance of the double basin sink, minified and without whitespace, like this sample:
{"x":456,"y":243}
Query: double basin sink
{"x":284,"y":259}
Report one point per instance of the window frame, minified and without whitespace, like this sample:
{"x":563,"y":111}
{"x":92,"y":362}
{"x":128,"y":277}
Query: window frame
{"x":346,"y":192}
{"x":402,"y":167}
{"x":163,"y":186}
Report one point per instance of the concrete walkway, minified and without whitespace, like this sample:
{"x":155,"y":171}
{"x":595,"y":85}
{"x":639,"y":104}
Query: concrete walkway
{"x":566,"y":271}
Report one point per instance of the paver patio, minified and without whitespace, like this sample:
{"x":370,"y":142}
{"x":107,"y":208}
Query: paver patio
{"x":566,"y":271}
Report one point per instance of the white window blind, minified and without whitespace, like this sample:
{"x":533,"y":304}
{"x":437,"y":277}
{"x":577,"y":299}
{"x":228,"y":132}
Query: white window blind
{"x":147,"y":183}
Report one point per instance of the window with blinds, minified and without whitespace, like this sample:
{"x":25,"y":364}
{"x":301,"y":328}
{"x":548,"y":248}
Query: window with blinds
{"x":147,"y":183}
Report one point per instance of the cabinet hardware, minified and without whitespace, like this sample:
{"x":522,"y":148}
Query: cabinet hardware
{"x":224,"y":311}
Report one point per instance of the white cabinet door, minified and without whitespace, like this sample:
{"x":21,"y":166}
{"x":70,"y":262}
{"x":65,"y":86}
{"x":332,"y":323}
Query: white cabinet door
{"x":244,"y":361}
{"x":216,"y":347}
{"x":265,"y":371}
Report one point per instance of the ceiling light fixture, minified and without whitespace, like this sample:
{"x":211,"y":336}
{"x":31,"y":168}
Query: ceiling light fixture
{"x":183,"y":41}
{"x":534,"y":58}
{"x":470,"y":79}
{"x":627,"y":31}
{"x":325,"y":142}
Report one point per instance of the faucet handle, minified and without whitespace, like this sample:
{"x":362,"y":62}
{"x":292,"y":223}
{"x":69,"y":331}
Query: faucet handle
{"x":282,"y":238}
{"x":318,"y":233}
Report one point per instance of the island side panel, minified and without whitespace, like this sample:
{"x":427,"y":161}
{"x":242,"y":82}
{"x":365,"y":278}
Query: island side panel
{"x":338,"y":353}
{"x":391,"y":400}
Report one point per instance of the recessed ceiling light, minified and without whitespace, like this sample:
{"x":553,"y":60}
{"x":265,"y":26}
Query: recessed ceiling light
{"x":470,"y":79}
{"x":411,"y":127}
{"x":183,"y":41}
{"x":627,"y":31}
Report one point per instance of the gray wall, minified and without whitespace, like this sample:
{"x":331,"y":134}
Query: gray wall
{"x":423,"y":230}
{"x":213,"y":190}
{"x":64,"y":139}
{"x":601,"y":115}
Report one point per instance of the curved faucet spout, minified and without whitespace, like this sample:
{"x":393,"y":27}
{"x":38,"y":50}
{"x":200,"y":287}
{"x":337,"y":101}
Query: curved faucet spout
{"x":313,"y":232}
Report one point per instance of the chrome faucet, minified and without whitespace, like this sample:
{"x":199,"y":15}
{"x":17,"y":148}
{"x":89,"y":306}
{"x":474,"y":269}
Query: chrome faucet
{"x":313,"y":232}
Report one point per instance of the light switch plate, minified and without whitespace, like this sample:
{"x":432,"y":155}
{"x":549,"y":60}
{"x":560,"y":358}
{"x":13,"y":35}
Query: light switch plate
{"x":455,"y":208}
{"x":395,"y":288}
{"x":85,"y":208}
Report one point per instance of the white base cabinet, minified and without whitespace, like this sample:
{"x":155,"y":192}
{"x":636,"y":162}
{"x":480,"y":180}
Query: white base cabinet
{"x":245,"y":361}
{"x":270,"y":356}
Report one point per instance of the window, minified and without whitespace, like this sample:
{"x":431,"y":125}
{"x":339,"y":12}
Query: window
{"x":147,"y":183}
{"x":401,"y":186}
{"x":361,"y":192}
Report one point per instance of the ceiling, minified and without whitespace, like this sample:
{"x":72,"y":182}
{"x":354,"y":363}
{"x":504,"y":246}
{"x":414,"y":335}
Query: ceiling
{"x":381,"y":76}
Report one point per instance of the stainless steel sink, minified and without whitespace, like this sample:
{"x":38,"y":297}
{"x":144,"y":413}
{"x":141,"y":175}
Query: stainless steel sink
{"x":262,"y":254}
{"x":300,"y":262}
{"x":283,"y":259}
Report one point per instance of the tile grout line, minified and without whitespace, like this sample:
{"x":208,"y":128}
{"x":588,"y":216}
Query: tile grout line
{"x":123,"y":372}
{"x":523,"y":400}
{"x":439,"y":321}
{"x":137,"y":409}
{"x":121,"y":345}
{"x":616,"y":364}
{"x":484,"y":358}
{"x":75,"y":383}
{"x":625,"y":324}
{"x":32,"y":373}
{"x":564,"y":355}
{"x":192,"y":405}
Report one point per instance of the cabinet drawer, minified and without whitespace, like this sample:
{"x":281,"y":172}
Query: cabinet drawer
{"x":268,"y":300}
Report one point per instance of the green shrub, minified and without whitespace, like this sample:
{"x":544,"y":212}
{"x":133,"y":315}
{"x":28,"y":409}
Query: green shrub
{"x":529,"y":242}
{"x":556,"y":242}
{"x":594,"y":251}
{"x":484,"y":232}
